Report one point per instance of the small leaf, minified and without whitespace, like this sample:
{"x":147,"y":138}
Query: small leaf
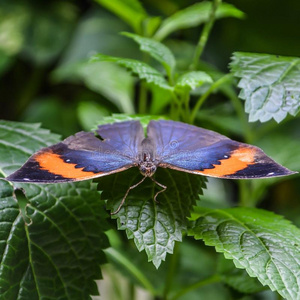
{"x":141,"y":69}
{"x":131,"y":11}
{"x":270,"y":85}
{"x":122,"y":117}
{"x":156,"y":49}
{"x":193,"y":16}
{"x":191,"y":80}
{"x":153,"y":226}
{"x":263,"y":243}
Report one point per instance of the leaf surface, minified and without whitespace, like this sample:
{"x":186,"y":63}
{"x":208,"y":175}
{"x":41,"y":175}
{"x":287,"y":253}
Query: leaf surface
{"x":264,"y":244}
{"x":157,"y":50}
{"x":139,"y":68}
{"x":270,"y":84}
{"x":193,"y":16}
{"x":154,"y":226}
{"x":131,"y":11}
{"x":191,"y":80}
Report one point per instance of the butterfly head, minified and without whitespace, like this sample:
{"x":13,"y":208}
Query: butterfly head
{"x":147,"y":169}
{"x":146,"y":164}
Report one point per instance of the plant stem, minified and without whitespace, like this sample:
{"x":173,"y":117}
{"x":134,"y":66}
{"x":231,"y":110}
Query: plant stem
{"x":171,"y":271}
{"x":236,"y":102}
{"x":209,"y":280}
{"x":201,"y":100}
{"x":142,"y":98}
{"x":116,"y":255}
{"x":204,"y":35}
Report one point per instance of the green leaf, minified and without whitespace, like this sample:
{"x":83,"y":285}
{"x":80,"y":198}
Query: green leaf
{"x":157,"y":50}
{"x":130,"y":11}
{"x":270,"y":85}
{"x":193,"y":16}
{"x":122,"y":117}
{"x":263,"y":243}
{"x":237,"y":278}
{"x":153,"y":226}
{"x":57,"y":253}
{"x":191,"y":80}
{"x":141,"y":69}
{"x":13,"y":245}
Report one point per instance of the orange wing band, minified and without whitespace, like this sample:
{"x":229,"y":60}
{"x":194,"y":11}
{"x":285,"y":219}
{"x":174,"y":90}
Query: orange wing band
{"x":54,"y":164}
{"x":239,"y":160}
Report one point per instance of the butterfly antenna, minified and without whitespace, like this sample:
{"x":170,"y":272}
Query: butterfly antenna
{"x":124,"y":198}
{"x":161,"y":191}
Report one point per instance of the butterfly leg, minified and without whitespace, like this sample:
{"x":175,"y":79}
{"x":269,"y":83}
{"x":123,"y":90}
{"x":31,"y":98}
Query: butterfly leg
{"x":161,"y":191}
{"x":123,"y":200}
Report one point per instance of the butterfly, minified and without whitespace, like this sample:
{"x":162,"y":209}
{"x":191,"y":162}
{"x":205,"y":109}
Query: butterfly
{"x":168,"y":144}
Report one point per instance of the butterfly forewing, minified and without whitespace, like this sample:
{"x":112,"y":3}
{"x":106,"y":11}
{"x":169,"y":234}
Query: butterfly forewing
{"x":196,"y":150}
{"x":84,"y":155}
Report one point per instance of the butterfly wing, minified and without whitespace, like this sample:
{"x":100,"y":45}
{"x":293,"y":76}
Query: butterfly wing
{"x":196,"y":150}
{"x":85,"y":155}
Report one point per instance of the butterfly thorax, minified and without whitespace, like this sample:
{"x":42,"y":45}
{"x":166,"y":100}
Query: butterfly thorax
{"x":146,"y":161}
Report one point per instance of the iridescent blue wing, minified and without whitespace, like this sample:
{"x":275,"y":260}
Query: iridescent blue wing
{"x":196,"y":150}
{"x":85,"y":155}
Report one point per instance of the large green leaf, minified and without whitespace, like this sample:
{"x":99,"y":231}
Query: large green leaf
{"x":139,"y":68}
{"x":193,"y":16}
{"x":264,"y":244}
{"x":270,"y":84}
{"x":51,"y":241}
{"x":154,"y":226}
{"x":130,"y":11}
{"x":157,"y":50}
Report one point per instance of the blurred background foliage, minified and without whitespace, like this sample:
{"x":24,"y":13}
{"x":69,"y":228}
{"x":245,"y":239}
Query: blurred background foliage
{"x":44,"y":46}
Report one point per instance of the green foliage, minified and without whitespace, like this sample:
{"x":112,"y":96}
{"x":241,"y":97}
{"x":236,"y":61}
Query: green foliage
{"x":269,"y":84}
{"x":76,"y":66}
{"x":157,"y":50}
{"x":263,"y":243}
{"x":193,"y":16}
{"x":154,"y":226}
{"x":192,"y":80}
{"x":131,"y":11}
{"x":143,"y":70}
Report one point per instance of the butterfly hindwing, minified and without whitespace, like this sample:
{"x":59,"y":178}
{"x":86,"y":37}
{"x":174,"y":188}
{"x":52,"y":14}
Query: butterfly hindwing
{"x":196,"y":150}
{"x":84,"y":155}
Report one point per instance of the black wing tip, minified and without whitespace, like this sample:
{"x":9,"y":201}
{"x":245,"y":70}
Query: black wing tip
{"x":282,"y":172}
{"x":40,"y":177}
